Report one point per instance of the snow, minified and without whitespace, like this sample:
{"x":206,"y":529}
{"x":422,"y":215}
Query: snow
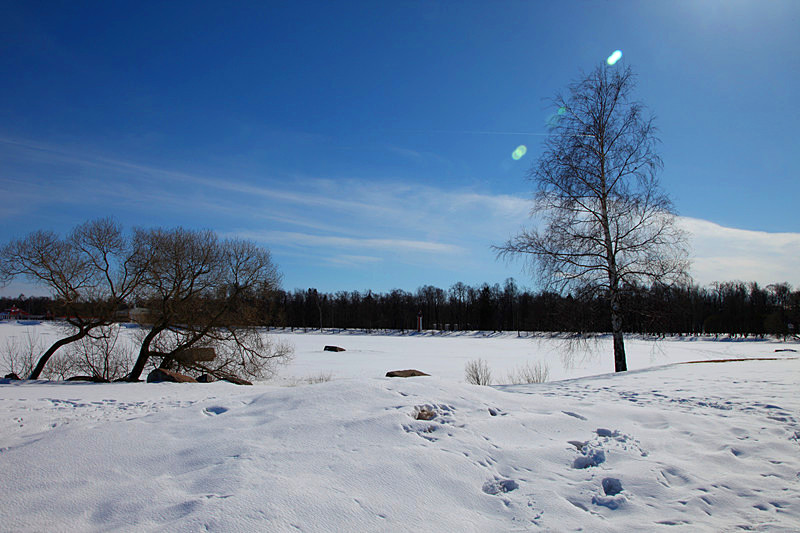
{"x":665,"y":447}
{"x":445,"y":355}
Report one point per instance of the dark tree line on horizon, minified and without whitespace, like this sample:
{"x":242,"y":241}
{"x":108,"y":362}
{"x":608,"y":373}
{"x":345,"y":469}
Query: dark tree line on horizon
{"x":728,"y":308}
{"x":725,"y":308}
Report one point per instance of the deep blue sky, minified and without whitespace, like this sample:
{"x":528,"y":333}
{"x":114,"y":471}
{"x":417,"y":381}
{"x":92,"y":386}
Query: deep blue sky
{"x":366,"y":143}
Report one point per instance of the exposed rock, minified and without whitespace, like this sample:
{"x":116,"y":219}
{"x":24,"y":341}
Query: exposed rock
{"x":333,"y":349}
{"x":161,"y":374}
{"x":94,"y":379}
{"x":11,"y":375}
{"x":205,"y":378}
{"x":235,"y":380}
{"x":405,"y":373}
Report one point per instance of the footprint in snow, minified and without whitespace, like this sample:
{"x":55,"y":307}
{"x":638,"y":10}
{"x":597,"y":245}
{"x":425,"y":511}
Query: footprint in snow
{"x":214,"y":410}
{"x":612,"y":496}
{"x":500,"y":486}
{"x":589,"y":457}
{"x":611,"y":486}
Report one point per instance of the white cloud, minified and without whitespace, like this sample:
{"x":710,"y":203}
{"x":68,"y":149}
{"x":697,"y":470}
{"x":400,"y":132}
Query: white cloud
{"x":721,"y":254}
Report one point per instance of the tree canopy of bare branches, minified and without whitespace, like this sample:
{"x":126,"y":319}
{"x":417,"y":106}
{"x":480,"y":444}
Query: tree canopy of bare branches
{"x":201,"y":291}
{"x":604,"y":223}
{"x":90,"y":273}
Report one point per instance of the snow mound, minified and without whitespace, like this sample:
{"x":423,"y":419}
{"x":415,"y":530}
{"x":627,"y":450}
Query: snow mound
{"x":696,"y":447}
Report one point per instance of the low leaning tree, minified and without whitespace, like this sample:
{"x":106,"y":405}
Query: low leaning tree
{"x":604,"y":223}
{"x":203,"y":292}
{"x":90,"y":273}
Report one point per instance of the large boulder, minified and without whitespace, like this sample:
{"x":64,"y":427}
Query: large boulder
{"x":405,"y":373}
{"x":94,"y":379}
{"x":162,"y":374}
{"x":333,"y":349}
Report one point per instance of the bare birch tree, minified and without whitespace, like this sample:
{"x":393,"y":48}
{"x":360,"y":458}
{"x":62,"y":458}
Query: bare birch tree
{"x":604,"y":223}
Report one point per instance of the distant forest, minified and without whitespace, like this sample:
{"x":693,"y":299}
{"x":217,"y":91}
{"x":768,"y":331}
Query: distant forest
{"x":730,"y":308}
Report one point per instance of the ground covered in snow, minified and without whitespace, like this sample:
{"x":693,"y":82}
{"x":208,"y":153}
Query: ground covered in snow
{"x":667,"y":447}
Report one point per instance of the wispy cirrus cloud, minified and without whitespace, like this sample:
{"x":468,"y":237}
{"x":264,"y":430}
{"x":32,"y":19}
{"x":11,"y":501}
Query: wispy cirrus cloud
{"x":292,"y":238}
{"x":354,"y":260}
{"x":343,"y":222}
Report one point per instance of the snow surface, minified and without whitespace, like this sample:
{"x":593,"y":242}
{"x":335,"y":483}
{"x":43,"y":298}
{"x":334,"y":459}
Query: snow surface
{"x":672,"y":447}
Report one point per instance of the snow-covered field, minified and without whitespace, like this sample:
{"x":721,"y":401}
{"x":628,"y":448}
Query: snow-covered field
{"x":665,"y":447}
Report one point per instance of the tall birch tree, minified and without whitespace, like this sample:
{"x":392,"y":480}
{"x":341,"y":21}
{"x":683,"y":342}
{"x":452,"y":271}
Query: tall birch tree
{"x":603,"y":223}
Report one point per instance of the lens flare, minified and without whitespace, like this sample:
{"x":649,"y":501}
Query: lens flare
{"x":519,"y":152}
{"x":613,"y":58}
{"x":562,"y":110}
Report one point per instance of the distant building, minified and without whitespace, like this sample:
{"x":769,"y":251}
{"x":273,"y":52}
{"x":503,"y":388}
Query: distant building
{"x":14,"y":313}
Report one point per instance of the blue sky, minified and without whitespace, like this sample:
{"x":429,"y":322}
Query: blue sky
{"x":368,"y":144}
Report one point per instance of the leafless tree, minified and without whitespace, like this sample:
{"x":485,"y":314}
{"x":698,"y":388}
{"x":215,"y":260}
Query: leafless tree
{"x":90,"y":273}
{"x":604,"y":223}
{"x":202,"y":292}
{"x":19,"y":354}
{"x":102,"y":355}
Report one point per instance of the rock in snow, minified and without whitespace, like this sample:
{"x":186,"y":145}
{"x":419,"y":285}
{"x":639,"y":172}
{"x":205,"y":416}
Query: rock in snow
{"x":161,"y":374}
{"x":405,"y":373}
{"x":330,"y":348}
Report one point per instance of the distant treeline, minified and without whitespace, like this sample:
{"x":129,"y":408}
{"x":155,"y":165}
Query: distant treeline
{"x":729,"y":308}
{"x":732,"y":308}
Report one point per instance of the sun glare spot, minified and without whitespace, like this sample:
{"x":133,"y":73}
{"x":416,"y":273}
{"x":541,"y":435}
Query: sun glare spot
{"x":519,"y":152}
{"x":613,"y":58}
{"x":562,"y":110}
